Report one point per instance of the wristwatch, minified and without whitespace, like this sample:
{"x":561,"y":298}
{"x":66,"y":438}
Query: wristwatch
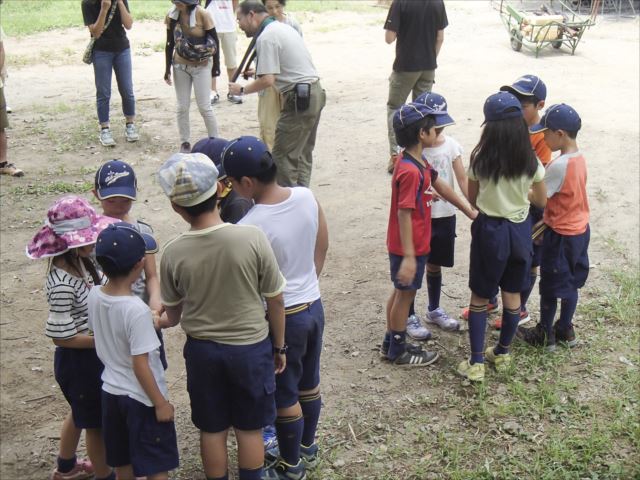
{"x":281,"y":350}
{"x":241,"y":90}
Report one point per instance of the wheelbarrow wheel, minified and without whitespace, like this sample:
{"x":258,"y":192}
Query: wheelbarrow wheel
{"x":516,"y":40}
{"x":557,"y":43}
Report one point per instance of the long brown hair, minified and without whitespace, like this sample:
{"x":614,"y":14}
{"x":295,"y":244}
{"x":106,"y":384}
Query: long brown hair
{"x":72,"y":259}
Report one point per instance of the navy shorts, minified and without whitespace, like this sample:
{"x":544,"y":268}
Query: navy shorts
{"x":303,"y":335}
{"x":500,"y":255}
{"x":230,"y":385}
{"x":565,"y":263}
{"x":133,"y":436}
{"x":535,"y":215}
{"x":443,"y":241}
{"x":421,"y":264}
{"x":78,"y":371}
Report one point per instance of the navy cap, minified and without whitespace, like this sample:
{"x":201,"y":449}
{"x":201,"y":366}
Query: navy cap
{"x":528,"y":85}
{"x":410,"y":113}
{"x":124,"y":245}
{"x":115,"y":178}
{"x":246,"y":156}
{"x":559,"y":117}
{"x":438,"y":104}
{"x":500,"y":106}
{"x":212,"y":148}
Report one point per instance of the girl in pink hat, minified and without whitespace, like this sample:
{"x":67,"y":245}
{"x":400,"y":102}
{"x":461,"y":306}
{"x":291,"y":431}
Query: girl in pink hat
{"x":67,"y":240}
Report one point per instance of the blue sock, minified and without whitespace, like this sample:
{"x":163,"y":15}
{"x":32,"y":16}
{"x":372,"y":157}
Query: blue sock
{"x":567,"y":309}
{"x":248,"y":474}
{"x":548,"y":307}
{"x":434,"y":286}
{"x":510,"y":319}
{"x":477,"y":327}
{"x":386,"y":342}
{"x":311,"y":406}
{"x":289,"y":431}
{"x":526,"y":293}
{"x":65,"y":465}
{"x":111,"y":476}
{"x":397,"y":345}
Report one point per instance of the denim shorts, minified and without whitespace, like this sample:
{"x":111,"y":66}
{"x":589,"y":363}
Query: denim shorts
{"x":230,"y":385}
{"x":303,"y":335}
{"x":133,"y":436}
{"x":394,"y":263}
{"x":565,"y":263}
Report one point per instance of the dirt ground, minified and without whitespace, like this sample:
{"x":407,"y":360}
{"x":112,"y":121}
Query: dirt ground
{"x":54,"y":139}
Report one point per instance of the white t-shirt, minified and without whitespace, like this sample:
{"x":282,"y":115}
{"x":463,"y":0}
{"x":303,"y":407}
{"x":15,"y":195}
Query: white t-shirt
{"x":441,"y":159}
{"x":292,"y":227}
{"x":123,"y":327}
{"x":223,"y":15}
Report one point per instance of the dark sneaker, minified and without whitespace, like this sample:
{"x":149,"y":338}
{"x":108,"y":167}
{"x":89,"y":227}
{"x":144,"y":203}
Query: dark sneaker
{"x":309,"y":456}
{"x":284,"y":471}
{"x":185,"y":147}
{"x":567,"y":336}
{"x":536,"y":337}
{"x":416,"y":359}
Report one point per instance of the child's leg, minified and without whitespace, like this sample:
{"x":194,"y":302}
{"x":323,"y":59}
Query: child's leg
{"x":387,"y":335}
{"x":510,"y":319}
{"x":434,"y":285}
{"x":126,"y":473}
{"x":213,"y":450}
{"x":477,"y":327}
{"x":69,"y":438}
{"x":289,"y":428}
{"x":548,"y":306}
{"x":96,"y":452}
{"x":398,"y":321}
{"x":568,"y":306}
{"x":526,"y":293}
{"x":157,"y":476}
{"x":250,"y":454}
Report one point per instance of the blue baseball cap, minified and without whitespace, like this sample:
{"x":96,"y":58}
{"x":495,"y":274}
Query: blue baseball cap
{"x":438,"y":104}
{"x":115,"y":178}
{"x":246,"y":156}
{"x":410,"y":113}
{"x":123,"y":245}
{"x":500,"y":106}
{"x":212,"y":148}
{"x":529,"y":86}
{"x":558,"y":117}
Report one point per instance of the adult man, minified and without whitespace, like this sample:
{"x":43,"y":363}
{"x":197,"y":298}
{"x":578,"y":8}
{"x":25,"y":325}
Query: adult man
{"x":418,"y":28}
{"x":283,"y":60}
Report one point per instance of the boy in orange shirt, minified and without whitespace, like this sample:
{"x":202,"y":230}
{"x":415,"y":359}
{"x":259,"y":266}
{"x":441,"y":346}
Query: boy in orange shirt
{"x":565,"y":262}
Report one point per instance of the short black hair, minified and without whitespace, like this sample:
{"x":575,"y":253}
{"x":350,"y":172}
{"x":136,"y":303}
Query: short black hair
{"x":207,"y":206}
{"x":408,"y":136}
{"x":266,"y":177}
{"x":571,"y":135}
{"x":252,"y":6}
{"x":526,"y":98}
{"x":111,"y":270}
{"x":281,"y":2}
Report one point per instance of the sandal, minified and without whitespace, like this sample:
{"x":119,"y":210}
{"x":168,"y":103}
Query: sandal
{"x":10,"y":169}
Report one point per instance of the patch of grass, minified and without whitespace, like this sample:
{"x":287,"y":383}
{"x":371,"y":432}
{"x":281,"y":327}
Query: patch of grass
{"x":52,"y":188}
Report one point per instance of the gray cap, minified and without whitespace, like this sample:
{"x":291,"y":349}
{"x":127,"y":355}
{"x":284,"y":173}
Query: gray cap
{"x":188,"y":178}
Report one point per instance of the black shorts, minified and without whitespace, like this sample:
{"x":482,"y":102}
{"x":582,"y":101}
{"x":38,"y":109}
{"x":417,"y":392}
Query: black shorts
{"x":78,"y":371}
{"x":501,"y":254}
{"x":443,"y":241}
{"x":230,"y":385}
{"x":565,"y":263}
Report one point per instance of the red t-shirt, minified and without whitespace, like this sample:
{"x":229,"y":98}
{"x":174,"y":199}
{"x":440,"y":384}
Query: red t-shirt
{"x":411,"y":188}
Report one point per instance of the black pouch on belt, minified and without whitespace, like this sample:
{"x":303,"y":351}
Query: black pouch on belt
{"x":303,"y":96}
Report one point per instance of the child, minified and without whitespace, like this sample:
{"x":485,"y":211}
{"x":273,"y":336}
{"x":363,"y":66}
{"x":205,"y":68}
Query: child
{"x":67,"y":239}
{"x":115,"y":187}
{"x":232,"y":206}
{"x":503,"y":168}
{"x":565,"y":261}
{"x":139,"y":432}
{"x":445,"y":156}
{"x":297,"y":230}
{"x":531,"y":92}
{"x":409,"y":229}
{"x":214,"y":278}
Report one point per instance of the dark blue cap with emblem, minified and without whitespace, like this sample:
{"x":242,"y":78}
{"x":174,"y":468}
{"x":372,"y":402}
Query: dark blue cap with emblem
{"x":438,"y":104}
{"x":115,"y":178}
{"x":212,"y":148}
{"x":246,"y":156}
{"x":529,"y":86}
{"x":500,"y":106}
{"x":559,"y":117}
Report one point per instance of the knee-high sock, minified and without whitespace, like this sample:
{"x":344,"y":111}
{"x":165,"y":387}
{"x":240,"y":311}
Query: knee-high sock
{"x":434,"y":287}
{"x":510,"y":319}
{"x":311,"y":406}
{"x":477,"y":327}
{"x":289,"y":432}
{"x":567,"y":309}
{"x":398,"y":344}
{"x":548,"y":306}
{"x":524,"y":295}
{"x":248,"y":474}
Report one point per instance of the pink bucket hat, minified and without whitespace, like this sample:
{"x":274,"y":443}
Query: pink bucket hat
{"x":71,"y":222}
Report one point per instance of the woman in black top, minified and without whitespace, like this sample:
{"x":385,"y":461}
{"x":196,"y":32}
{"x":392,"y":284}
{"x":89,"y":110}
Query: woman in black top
{"x":111,"y":52}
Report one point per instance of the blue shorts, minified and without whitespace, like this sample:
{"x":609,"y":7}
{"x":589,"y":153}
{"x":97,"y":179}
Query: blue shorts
{"x":443,"y":241}
{"x":303,"y":335}
{"x":421,"y":264}
{"x":500,"y":255}
{"x":230,"y":385}
{"x":133,"y":436}
{"x":565,"y":263}
{"x":535,"y":215}
{"x":78,"y":371}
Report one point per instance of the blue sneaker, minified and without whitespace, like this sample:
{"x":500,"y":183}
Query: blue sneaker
{"x":284,"y":471}
{"x":271,"y":456}
{"x":309,"y":456}
{"x":269,"y":437}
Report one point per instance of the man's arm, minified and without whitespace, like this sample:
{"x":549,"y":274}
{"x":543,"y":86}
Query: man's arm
{"x":260,"y":83}
{"x":322,"y":242}
{"x":164,"y":409}
{"x":275,"y":315}
{"x":439,"y":41}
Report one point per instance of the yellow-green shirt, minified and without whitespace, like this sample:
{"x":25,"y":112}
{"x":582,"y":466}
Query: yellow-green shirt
{"x":508,"y":197}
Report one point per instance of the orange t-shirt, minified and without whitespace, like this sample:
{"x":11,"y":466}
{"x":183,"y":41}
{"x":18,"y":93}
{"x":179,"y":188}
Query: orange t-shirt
{"x":567,"y":210}
{"x":541,"y":148}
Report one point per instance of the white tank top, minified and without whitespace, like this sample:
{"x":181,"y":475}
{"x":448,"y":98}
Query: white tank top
{"x":292,"y":227}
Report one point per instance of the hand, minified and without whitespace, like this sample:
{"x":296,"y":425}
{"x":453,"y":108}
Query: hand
{"x":156,"y":319}
{"x":435,"y":196}
{"x":474,"y":214}
{"x":234,"y":89}
{"x":407,"y":271}
{"x":164,"y":412}
{"x":105,"y":4}
{"x":280,"y":360}
{"x":167,"y":79}
{"x":249,"y":73}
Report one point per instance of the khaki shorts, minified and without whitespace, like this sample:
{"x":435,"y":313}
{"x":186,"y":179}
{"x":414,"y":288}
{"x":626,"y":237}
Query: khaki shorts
{"x":228,"y":44}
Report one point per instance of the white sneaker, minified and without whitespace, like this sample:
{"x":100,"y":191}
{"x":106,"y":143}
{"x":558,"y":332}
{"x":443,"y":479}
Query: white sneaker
{"x":106,"y":138}
{"x":131,"y":132}
{"x":214,"y":97}
{"x":237,"y":99}
{"x":439,"y":317}
{"x":416,"y":330}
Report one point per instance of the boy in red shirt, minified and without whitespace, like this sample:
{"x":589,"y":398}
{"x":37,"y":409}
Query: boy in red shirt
{"x":409,"y":229}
